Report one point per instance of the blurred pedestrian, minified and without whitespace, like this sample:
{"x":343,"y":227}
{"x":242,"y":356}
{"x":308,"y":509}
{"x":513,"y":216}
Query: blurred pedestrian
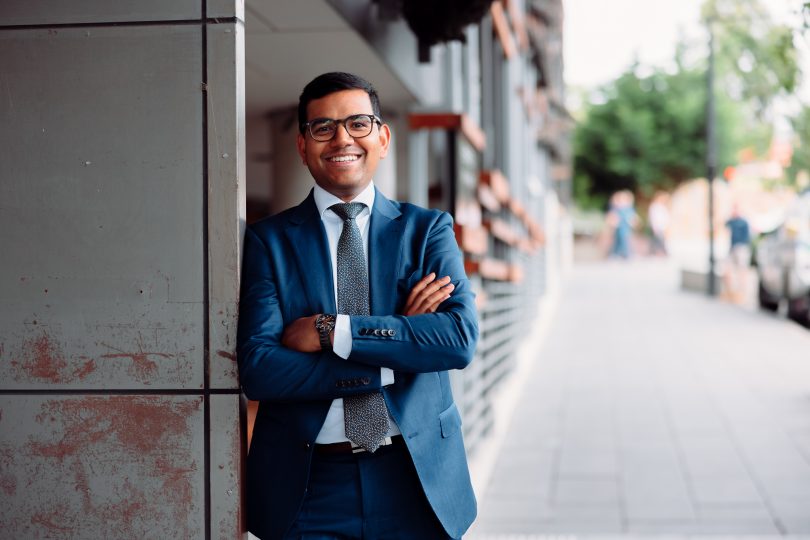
{"x":623,"y":219}
{"x":739,"y":258}
{"x":658,"y":217}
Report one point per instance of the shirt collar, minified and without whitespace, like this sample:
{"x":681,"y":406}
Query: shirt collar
{"x":324,"y":199}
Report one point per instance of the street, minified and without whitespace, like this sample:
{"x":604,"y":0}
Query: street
{"x":648,"y":410}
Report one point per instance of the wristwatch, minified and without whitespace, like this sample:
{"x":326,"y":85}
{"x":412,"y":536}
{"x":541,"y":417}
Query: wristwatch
{"x":324,"y":324}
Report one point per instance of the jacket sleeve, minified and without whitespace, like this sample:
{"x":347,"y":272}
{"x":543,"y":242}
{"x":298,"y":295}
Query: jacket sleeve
{"x":436,"y":341}
{"x":267,"y":369}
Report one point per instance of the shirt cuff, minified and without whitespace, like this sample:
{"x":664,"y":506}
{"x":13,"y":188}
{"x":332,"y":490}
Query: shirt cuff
{"x":342,"y":344}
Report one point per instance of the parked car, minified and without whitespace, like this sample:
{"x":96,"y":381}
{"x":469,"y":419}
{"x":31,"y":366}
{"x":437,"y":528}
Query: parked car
{"x":783,"y":263}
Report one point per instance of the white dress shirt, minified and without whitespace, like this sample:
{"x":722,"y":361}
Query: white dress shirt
{"x":333,"y":429}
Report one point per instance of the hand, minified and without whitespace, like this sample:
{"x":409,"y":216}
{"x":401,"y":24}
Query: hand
{"x":301,"y":335}
{"x":427,"y":294}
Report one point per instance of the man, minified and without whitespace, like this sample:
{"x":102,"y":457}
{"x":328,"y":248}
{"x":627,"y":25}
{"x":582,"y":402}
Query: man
{"x":739,"y":257}
{"x":350,"y":316}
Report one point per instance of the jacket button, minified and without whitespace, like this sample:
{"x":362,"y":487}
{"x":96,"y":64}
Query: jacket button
{"x":392,"y":332}
{"x":366,"y":381}
{"x":376,"y":331}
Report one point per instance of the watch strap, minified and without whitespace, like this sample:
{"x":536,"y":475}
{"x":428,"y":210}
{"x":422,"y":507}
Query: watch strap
{"x":325,"y":324}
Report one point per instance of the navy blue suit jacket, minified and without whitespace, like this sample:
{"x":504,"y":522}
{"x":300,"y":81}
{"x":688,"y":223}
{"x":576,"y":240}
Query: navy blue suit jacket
{"x":287,"y":274}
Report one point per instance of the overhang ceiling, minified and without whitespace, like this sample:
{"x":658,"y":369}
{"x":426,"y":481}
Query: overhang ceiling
{"x":289,"y":42}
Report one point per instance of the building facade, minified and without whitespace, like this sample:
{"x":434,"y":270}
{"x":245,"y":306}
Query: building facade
{"x":135,"y":132}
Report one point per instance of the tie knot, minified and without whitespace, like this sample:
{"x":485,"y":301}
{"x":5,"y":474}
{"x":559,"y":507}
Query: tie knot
{"x":347,"y":211}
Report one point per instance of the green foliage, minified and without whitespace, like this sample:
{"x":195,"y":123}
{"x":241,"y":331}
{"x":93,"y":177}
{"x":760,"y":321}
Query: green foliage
{"x":801,"y":154}
{"x":756,"y":58}
{"x":648,"y":133}
{"x":645,"y":132}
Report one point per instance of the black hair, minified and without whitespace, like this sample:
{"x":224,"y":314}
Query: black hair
{"x":332,"y":82}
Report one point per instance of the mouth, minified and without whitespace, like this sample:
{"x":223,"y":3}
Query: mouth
{"x":342,"y":158}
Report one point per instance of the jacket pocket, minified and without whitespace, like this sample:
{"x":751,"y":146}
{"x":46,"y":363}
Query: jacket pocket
{"x":450,"y":421}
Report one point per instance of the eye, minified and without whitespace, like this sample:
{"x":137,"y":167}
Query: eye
{"x":361,"y":122}
{"x":322,"y":127}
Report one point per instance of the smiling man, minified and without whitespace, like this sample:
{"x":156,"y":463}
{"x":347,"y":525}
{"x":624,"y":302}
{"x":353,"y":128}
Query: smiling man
{"x":353,"y":309}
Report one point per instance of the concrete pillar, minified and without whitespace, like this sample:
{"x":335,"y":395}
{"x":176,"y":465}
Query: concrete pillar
{"x":121,"y":215}
{"x":291,"y":178}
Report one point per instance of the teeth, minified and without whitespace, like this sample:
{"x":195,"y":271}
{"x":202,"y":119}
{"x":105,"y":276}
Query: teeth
{"x":341,"y":159}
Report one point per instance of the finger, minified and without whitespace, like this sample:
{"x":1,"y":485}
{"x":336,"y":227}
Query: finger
{"x":421,"y":284}
{"x":433,"y":295}
{"x":425,"y":292}
{"x":435,"y":300}
{"x":425,"y":286}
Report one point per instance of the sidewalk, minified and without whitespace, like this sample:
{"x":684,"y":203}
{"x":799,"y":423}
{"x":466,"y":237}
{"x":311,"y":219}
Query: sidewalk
{"x":649,"y":411}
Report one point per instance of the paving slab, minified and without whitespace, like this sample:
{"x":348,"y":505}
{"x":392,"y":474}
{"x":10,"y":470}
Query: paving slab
{"x":647,"y":411}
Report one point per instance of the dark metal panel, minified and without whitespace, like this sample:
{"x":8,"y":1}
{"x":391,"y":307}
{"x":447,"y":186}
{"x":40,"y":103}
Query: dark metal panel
{"x":225,"y":9}
{"x":101,"y":467}
{"x":227,"y":455}
{"x":28,"y":12}
{"x":226,"y":195}
{"x":101,"y":207}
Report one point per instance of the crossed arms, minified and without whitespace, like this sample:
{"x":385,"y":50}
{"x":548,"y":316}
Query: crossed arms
{"x":282,"y":360}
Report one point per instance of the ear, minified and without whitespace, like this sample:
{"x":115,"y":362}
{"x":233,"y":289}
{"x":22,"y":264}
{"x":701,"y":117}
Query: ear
{"x":385,"y":139}
{"x":302,"y":148}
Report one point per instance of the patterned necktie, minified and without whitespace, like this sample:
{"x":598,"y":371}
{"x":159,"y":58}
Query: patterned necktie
{"x":365,"y":415}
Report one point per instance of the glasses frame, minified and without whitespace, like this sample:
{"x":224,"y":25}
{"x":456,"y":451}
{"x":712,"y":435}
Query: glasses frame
{"x":307,"y":126}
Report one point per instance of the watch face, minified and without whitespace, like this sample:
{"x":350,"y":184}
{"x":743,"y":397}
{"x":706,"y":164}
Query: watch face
{"x":325,"y":322}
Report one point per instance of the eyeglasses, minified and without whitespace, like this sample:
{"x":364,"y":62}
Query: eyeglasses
{"x":357,"y":126}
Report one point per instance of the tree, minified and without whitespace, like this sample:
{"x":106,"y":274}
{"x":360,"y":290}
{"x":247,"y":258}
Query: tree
{"x":647,"y":134}
{"x":756,"y":58}
{"x":801,"y":156}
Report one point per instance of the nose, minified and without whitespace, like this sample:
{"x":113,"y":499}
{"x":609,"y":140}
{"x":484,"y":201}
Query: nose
{"x":342,"y":136}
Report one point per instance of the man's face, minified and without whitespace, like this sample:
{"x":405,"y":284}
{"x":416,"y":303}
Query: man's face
{"x":343,"y":166}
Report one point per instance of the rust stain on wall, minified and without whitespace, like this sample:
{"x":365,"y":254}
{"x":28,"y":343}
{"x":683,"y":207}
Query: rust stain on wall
{"x":42,"y":358}
{"x":136,"y":422}
{"x":8,"y":482}
{"x":142,"y":368}
{"x":119,"y":466}
{"x":227,"y":355}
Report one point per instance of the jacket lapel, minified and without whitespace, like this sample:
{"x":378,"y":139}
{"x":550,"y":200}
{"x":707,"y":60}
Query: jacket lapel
{"x":384,"y":253}
{"x":311,"y":252}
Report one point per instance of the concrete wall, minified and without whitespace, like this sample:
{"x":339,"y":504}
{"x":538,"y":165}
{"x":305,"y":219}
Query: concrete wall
{"x":121,"y":211}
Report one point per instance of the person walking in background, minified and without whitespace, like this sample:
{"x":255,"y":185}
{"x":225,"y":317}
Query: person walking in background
{"x":735,"y":277}
{"x":623,"y":219}
{"x":658,"y":217}
{"x":353,"y":309}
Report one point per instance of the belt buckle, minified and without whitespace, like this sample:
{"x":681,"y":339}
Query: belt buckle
{"x":357,"y":449}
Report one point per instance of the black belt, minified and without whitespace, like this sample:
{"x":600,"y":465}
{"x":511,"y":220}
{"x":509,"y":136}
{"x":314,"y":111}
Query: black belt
{"x":348,"y":447}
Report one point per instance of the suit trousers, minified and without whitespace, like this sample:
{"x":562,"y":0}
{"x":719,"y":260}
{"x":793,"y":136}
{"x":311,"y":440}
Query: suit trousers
{"x":365,"y":496}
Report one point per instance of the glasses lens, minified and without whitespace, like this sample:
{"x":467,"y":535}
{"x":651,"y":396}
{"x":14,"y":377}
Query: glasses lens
{"x":359,"y":125}
{"x":322,"y":130}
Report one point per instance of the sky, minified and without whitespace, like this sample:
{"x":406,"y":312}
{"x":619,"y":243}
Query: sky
{"x":602,"y":37}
